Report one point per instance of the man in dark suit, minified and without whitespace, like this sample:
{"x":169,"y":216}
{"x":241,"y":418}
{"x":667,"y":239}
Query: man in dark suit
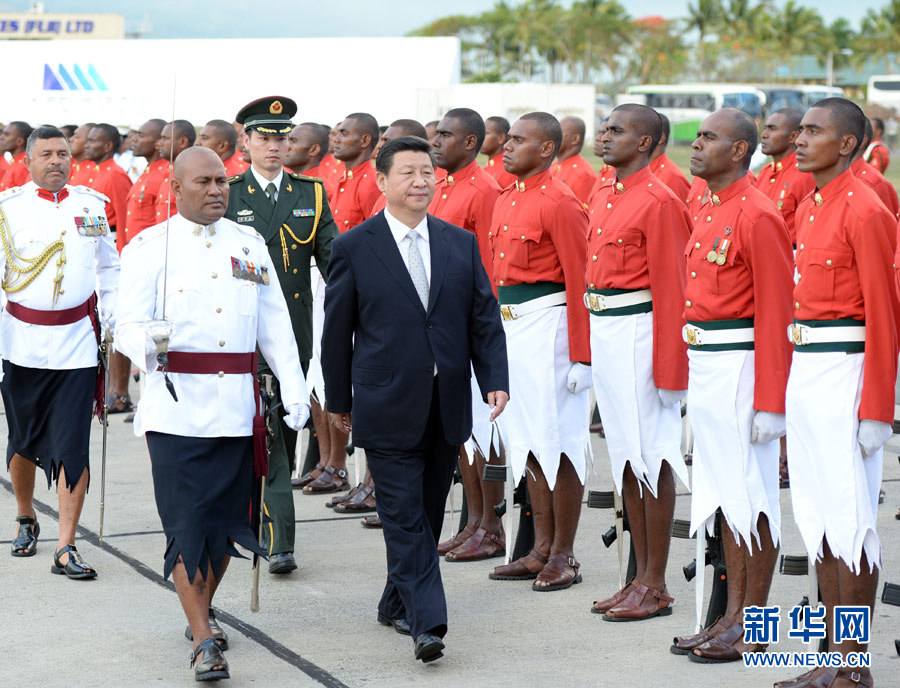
{"x":291,"y":213}
{"x":409,"y":312}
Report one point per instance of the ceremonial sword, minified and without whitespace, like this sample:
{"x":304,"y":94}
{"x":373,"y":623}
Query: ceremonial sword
{"x":104,"y":353}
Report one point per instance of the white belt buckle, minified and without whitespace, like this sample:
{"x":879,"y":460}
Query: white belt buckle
{"x":799,"y":334}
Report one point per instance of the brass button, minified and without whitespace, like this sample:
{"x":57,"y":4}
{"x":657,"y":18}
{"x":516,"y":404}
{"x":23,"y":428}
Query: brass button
{"x":346,"y":222}
{"x":293,"y":247}
{"x":709,"y":218}
{"x":523,"y":237}
{"x":608,"y":206}
{"x":295,"y":271}
{"x":513,"y":202}
{"x":221,"y":373}
{"x":502,"y":255}
{"x":505,"y":228}
{"x":796,"y":305}
{"x":687,"y":303}
{"x":219,"y":309}
{"x":221,"y":342}
{"x":214,"y":275}
{"x":697,"y":245}
{"x":180,"y":289}
{"x":594,"y":258}
{"x":828,"y":262}
{"x":501,"y":283}
{"x":208,"y":244}
{"x":62,"y":233}
{"x":490,"y":234}
{"x":799,"y":276}
{"x":443,"y":196}
{"x":801,"y":247}
{"x":620,"y":241}
{"x":592,"y":287}
{"x":694,"y":275}
{"x":812,"y":217}
{"x":599,"y":231}
{"x":296,"y":296}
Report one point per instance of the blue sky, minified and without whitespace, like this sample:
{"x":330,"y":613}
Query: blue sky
{"x":237,"y":18}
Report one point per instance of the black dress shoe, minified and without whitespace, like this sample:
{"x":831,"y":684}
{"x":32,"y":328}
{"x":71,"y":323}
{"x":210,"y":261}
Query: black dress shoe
{"x":428,"y":647}
{"x":400,"y":625}
{"x":282,"y":563}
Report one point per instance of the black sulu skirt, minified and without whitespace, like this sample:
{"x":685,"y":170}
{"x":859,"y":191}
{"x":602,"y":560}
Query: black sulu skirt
{"x":48,"y":414}
{"x":204,"y":490}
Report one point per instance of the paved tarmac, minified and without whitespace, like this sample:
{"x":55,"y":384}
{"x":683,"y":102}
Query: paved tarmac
{"x":317,"y":625}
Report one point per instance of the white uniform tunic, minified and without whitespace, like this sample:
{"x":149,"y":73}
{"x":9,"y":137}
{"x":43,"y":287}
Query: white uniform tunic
{"x":212,"y":311}
{"x":91,"y":263}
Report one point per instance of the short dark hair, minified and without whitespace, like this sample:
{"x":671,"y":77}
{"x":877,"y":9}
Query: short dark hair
{"x":549,"y":127}
{"x":385,"y":158}
{"x":225,"y":131}
{"x":666,"y":126}
{"x":647,"y":120}
{"x":110,"y":133}
{"x":500,"y":122}
{"x":320,"y":134}
{"x":42,"y":133}
{"x":368,"y":124}
{"x":870,"y":132}
{"x":794,"y":117}
{"x":848,"y":116}
{"x":382,"y":128}
{"x":878,"y":122}
{"x":68,"y":130}
{"x":25,"y":129}
{"x":410,"y":127}
{"x":471,"y":122}
{"x":181,"y":127}
{"x":432,"y":123}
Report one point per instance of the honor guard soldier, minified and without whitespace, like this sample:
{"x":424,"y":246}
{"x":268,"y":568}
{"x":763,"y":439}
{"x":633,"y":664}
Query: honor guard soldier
{"x":12,"y":141}
{"x":572,"y":169}
{"x":308,"y":145}
{"x":56,"y":251}
{"x":201,"y":405}
{"x":81,"y":167}
{"x":464,"y":195}
{"x":237,"y":161}
{"x":141,"y":202}
{"x":496,"y":132}
{"x":662,"y":166}
{"x":607,"y":173}
{"x":780,"y":179}
{"x":331,"y":167}
{"x":737,"y":306}
{"x":877,"y":154}
{"x":109,"y":179}
{"x":635,"y":275}
{"x":538,"y":243}
{"x":871,"y":176}
{"x":175,"y":138}
{"x":840,"y":395}
{"x":291,"y":213}
{"x":221,"y":138}
{"x":354,"y":141}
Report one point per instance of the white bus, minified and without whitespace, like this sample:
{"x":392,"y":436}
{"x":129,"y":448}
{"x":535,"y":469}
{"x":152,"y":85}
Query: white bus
{"x":686,"y":105}
{"x":797,"y":96}
{"x":884,"y":90}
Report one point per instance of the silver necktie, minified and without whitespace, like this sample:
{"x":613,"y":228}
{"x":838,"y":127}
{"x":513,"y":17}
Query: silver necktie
{"x":417,"y":268}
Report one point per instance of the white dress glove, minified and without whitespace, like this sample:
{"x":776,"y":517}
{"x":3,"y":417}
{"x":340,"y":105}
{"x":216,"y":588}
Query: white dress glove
{"x":579,"y":378}
{"x":872,"y":435}
{"x":767,"y":426}
{"x":297,"y":415}
{"x":669,"y":397}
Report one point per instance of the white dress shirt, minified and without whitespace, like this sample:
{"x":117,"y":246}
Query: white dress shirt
{"x":212,"y":311}
{"x":400,"y":231}
{"x":263,"y":182}
{"x":33,"y":223}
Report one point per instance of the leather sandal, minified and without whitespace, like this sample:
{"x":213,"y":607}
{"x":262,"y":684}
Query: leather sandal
{"x":519,"y":569}
{"x":797,"y":682}
{"x":721,"y":648}
{"x":632,"y":608}
{"x":75,"y":567}
{"x":205,"y":669}
{"x":118,"y":403}
{"x":218,"y":634}
{"x":683,"y":645}
{"x":845,"y":677}
{"x":482,"y":545}
{"x":334,"y":501}
{"x":25,"y":543}
{"x":325,"y":482}
{"x":458,"y":539}
{"x":307,"y":478}
{"x":556,"y":575}
{"x":363,"y":502}
{"x":372,"y":522}
{"x":602,"y":606}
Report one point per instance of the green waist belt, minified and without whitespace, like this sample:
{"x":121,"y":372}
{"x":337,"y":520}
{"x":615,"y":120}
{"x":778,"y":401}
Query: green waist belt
{"x":520,"y":293}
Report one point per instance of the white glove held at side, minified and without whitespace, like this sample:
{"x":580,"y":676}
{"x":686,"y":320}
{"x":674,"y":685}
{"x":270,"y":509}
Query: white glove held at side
{"x":579,"y":378}
{"x":297,"y":415}
{"x":767,"y":426}
{"x":872,"y":435}
{"x":670,"y":397}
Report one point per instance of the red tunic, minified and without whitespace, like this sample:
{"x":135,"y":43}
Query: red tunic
{"x":3,"y":165}
{"x":466,"y":199}
{"x":114,"y":183}
{"x":638,"y":230}
{"x":845,"y":272}
{"x":786,"y":185}
{"x":17,"y":174}
{"x":758,"y":269}
{"x":537,"y":235}
{"x":140,"y":204}
{"x":495,"y":168}
{"x":355,"y":197}
{"x":885,"y":190}
{"x":671,"y":175}
{"x":82,"y":173}
{"x":328,"y":181}
{"x":164,"y":209}
{"x":235,"y":164}
{"x":606,"y":176}
{"x":576,"y":173}
{"x":880,"y":157}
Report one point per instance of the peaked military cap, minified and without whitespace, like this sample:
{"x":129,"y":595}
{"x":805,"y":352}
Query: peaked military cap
{"x":270,"y":115}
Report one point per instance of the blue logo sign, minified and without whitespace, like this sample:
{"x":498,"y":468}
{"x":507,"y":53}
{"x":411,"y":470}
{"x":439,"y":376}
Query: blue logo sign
{"x":75,"y":78}
{"x":851,"y":623}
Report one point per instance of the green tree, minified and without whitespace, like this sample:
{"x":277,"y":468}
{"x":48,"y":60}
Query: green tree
{"x":797,"y":30}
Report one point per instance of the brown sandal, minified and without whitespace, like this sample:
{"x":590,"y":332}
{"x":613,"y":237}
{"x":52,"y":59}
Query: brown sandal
{"x":325,"y":482}
{"x":519,"y":569}
{"x":556,"y":575}
{"x":683,"y":645}
{"x":373,"y":521}
{"x":334,"y":501}
{"x":457,"y":540}
{"x":482,"y":545}
{"x":602,"y":606}
{"x":362,"y":502}
{"x":304,"y":480}
{"x":631,"y":608}
{"x":720,"y":649}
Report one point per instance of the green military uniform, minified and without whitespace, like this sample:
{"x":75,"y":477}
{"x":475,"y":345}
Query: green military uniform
{"x":298,"y":227}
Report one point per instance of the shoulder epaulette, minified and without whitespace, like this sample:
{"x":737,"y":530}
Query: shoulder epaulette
{"x":11,"y":192}
{"x":305,"y":177}
{"x":91,"y":192}
{"x":235,"y":178}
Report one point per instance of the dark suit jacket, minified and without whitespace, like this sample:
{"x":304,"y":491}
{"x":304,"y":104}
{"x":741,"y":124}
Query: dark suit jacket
{"x":295,"y":213}
{"x":380,"y":342}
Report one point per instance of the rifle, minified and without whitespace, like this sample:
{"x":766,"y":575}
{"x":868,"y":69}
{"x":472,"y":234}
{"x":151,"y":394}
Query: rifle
{"x":713,"y":555}
{"x":104,"y":420}
{"x":616,"y":532}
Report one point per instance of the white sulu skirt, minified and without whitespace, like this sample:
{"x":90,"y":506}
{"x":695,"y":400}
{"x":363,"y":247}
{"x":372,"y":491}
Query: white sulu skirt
{"x":834,"y":490}
{"x":542,"y":417}
{"x":483,"y":435}
{"x":639,"y":429}
{"x":315,"y":379}
{"x":729,"y":472}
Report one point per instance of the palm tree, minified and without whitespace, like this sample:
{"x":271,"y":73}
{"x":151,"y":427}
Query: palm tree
{"x":706,"y":17}
{"x":797,"y":30}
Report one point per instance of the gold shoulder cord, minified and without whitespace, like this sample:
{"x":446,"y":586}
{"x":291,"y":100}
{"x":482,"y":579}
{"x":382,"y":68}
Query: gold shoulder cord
{"x":312,"y":234}
{"x":28,"y":269}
